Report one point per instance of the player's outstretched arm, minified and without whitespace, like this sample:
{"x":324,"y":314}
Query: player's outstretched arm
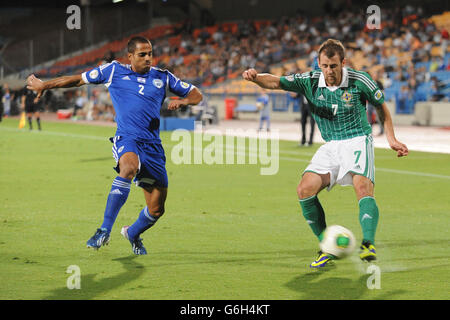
{"x":385,"y":118}
{"x":194,"y":97}
{"x":264,"y":80}
{"x":40,"y":86}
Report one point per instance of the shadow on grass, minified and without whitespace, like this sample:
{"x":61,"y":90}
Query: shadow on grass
{"x":179,"y":258}
{"x":91,"y":288}
{"x":316,"y":286}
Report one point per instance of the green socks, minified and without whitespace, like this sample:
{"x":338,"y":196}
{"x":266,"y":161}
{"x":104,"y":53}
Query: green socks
{"x":314,"y":215}
{"x":368,"y":218}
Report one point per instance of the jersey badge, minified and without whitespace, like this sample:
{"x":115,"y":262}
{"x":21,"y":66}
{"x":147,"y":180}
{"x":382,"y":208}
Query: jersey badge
{"x":378,"y":95}
{"x":93,"y":74}
{"x":158,"y":83}
{"x":184,"y":85}
{"x":347,"y":98}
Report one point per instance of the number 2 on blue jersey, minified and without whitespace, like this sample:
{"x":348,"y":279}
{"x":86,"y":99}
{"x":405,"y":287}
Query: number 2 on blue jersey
{"x":141,"y":90}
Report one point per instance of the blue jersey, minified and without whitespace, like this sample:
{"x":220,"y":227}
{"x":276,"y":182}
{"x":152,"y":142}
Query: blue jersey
{"x":137,"y":98}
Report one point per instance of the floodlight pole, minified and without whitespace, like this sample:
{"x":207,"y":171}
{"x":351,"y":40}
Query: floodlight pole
{"x":61,"y":42}
{"x":87,"y":10}
{"x":150,"y":12}
{"x":31,"y":56}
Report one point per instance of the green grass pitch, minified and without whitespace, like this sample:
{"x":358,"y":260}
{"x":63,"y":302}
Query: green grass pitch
{"x":228,"y":232}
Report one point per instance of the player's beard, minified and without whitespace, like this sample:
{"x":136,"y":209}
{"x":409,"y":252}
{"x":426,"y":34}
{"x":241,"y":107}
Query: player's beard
{"x":331,"y":80}
{"x":146,"y":67}
{"x":143,"y":69}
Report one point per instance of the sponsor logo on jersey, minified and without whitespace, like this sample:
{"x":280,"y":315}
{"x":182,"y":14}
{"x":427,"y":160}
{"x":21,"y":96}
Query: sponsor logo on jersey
{"x":93,"y":74}
{"x":321,"y":97}
{"x":126,"y":78}
{"x":158,"y":83}
{"x":120,"y":149}
{"x":378,"y":94}
{"x":141,"y":80}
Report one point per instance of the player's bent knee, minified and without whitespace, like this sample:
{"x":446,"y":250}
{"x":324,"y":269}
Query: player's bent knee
{"x":363,"y":191}
{"x":128,"y":165}
{"x":156,"y":211}
{"x":128,"y":173}
{"x":305,"y":191}
{"x":363,"y":187}
{"x":128,"y":170}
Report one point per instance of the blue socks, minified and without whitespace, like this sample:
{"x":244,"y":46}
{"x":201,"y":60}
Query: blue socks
{"x":144,"y":222}
{"x":117,"y":197}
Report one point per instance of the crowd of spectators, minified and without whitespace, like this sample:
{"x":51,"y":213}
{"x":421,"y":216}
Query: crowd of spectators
{"x":222,"y":54}
{"x":84,"y":104}
{"x":96,"y":106}
{"x":218,"y":53}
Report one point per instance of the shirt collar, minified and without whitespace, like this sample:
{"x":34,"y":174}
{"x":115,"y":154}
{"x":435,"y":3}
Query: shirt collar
{"x":344,"y":81}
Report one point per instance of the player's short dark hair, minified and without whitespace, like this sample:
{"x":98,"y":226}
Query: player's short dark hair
{"x":331,"y":47}
{"x":134,"y":41}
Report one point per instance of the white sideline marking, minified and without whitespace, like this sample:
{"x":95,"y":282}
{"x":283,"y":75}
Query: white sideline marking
{"x":55,"y":133}
{"x":414,"y":173}
{"x":85,"y":136}
{"x":423,"y":174}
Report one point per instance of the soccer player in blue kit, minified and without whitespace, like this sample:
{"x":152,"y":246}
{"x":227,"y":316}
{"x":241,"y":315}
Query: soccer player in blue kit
{"x":137,"y":92}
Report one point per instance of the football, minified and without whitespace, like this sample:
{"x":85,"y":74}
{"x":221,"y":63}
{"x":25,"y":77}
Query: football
{"x":338,"y":241}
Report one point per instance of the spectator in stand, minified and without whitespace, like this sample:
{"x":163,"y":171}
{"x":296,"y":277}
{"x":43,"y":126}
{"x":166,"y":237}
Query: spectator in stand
{"x":80,"y":101}
{"x":444,"y":40}
{"x":109,"y":57}
{"x":436,"y":89}
{"x":6,"y":99}
{"x":403,"y":99}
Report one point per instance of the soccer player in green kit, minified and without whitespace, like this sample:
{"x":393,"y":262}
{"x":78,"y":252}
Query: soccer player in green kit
{"x":338,"y":96}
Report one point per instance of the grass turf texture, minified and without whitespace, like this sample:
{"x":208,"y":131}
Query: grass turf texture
{"x":228,"y":232}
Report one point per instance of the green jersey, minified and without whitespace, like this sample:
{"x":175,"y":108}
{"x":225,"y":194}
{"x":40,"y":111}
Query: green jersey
{"x":340,"y":112}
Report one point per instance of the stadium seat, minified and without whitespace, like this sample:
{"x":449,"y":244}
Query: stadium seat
{"x":302,"y":64}
{"x":436,"y":51}
{"x":92,"y":57}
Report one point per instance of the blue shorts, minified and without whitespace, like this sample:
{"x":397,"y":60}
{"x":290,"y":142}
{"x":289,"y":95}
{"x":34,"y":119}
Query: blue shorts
{"x":152,"y":160}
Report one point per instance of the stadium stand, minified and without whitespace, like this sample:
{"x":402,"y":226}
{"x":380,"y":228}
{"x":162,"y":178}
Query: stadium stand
{"x":409,"y":54}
